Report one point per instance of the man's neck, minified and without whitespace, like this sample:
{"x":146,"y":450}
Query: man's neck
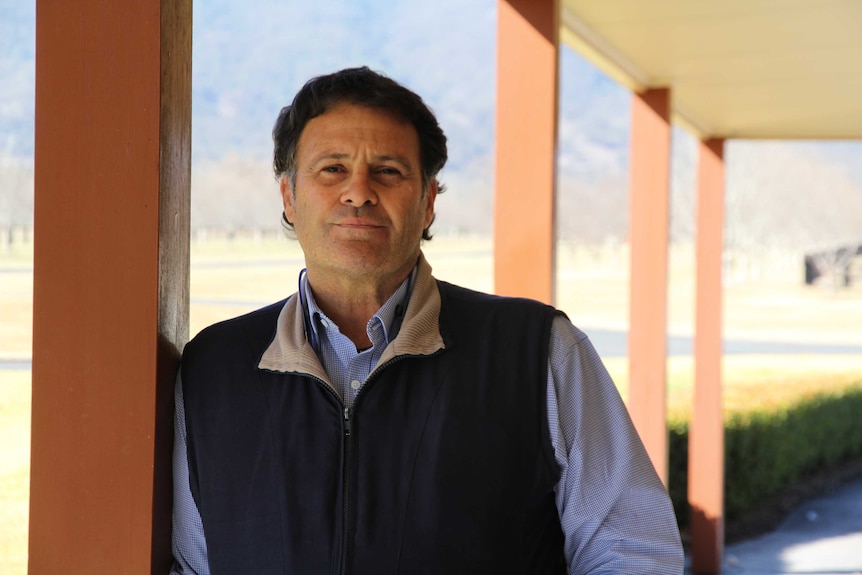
{"x":351,"y":303}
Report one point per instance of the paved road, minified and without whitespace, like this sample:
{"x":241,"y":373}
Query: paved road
{"x":822,"y":536}
{"x":15,"y":364}
{"x":614,"y":343}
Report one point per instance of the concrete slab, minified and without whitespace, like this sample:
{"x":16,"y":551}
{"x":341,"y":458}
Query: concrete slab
{"x":822,"y":537}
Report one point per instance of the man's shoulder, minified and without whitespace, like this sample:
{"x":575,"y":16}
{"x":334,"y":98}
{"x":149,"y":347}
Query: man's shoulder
{"x":261,"y":321}
{"x":460,"y":295}
{"x":463,"y":309}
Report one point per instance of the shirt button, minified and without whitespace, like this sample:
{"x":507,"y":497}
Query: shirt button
{"x":324,"y":323}
{"x":355,"y":384}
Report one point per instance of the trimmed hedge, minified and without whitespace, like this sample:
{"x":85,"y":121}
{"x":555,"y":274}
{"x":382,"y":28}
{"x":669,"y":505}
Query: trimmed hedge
{"x":769,"y":448}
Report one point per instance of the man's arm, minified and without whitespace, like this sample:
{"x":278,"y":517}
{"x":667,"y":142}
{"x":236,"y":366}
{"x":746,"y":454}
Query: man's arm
{"x":614,"y":510}
{"x":188,"y":542}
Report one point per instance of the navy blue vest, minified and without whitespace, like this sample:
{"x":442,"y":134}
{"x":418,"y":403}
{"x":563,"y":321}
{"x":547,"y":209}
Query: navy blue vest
{"x":445,"y":465}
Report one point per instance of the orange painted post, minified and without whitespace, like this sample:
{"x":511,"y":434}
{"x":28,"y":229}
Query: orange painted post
{"x":706,"y":434}
{"x":527,"y":58}
{"x":648,"y":236}
{"x":110,"y":310}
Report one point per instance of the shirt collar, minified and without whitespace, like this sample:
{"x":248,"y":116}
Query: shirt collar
{"x":389,"y":315}
{"x":290,"y":350}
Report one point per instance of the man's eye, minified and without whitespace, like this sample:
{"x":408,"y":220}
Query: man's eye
{"x":387,"y":171}
{"x":332,"y":169}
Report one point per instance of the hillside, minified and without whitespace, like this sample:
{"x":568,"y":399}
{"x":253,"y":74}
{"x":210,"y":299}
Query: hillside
{"x":249,"y":58}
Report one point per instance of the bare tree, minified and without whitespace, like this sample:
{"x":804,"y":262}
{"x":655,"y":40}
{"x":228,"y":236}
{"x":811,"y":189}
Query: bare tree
{"x":16,"y":196}
{"x":235,"y":194}
{"x":790,"y":196}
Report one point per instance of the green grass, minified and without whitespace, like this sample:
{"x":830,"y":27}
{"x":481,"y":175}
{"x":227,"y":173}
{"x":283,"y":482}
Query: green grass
{"x":763,"y":379}
{"x":750,"y":381}
{"x":592,"y":297}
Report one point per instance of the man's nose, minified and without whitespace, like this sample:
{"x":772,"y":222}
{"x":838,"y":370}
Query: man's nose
{"x":359,"y":190}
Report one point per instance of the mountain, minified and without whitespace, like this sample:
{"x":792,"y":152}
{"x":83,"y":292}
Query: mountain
{"x":17,"y":77}
{"x":249,"y":59}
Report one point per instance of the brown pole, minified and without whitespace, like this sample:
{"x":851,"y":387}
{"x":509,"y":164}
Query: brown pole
{"x":648,"y":236}
{"x":706,"y":435}
{"x":524,"y":230}
{"x":110,"y":310}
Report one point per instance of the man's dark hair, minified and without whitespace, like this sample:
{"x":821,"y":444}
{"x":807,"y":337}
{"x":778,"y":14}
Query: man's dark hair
{"x":362,"y":87}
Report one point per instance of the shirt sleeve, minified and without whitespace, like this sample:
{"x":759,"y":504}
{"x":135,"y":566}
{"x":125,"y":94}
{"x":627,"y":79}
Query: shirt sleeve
{"x":188,"y":543}
{"x":615,"y":513}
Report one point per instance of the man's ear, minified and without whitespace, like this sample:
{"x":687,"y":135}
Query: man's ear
{"x":287,"y":197}
{"x":430,"y":197}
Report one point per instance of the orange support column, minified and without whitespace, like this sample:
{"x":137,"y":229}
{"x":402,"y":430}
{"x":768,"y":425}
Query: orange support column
{"x":527,"y":57}
{"x":706,"y":435}
{"x":649,"y":234}
{"x":110,"y":310}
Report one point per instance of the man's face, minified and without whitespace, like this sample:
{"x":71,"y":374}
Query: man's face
{"x":357,"y":206}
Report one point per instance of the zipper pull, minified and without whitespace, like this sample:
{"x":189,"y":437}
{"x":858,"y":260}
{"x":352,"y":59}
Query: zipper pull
{"x":346,"y":421}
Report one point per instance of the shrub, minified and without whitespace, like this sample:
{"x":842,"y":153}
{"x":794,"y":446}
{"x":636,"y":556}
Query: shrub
{"x":769,"y":446}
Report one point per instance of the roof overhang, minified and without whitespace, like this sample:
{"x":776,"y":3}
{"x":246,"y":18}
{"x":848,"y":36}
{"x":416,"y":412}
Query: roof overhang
{"x":783,"y":69}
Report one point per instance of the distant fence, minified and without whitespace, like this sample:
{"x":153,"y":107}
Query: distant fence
{"x":204,"y":235}
{"x":761,"y":264}
{"x":12,"y":237}
{"x":841,"y":266}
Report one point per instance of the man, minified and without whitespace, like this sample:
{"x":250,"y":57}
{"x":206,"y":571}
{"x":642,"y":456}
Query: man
{"x":382,"y":421}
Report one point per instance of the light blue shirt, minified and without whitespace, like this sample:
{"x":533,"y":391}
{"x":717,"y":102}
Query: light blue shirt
{"x":615,"y":513}
{"x":347,"y":367}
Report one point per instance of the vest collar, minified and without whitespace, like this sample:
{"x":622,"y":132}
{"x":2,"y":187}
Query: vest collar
{"x":291,"y":352}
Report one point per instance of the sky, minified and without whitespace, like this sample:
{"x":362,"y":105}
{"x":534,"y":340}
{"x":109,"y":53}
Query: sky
{"x":250,"y":57}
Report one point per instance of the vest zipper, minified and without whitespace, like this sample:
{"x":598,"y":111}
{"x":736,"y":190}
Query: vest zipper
{"x":346,"y":489}
{"x":347,"y":452}
{"x":346,"y":413}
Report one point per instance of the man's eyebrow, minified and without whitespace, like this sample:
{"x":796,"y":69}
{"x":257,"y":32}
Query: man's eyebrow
{"x":395,"y":158}
{"x":405,"y":163}
{"x":326,"y":157}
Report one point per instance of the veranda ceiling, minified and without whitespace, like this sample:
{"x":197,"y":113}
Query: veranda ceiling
{"x":789,"y":69}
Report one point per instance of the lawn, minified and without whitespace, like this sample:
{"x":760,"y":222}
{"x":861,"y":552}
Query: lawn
{"x":231,"y":278}
{"x":14,"y":470}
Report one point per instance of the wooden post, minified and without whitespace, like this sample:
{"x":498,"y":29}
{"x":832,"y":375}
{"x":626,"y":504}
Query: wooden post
{"x":112,"y":166}
{"x":706,"y":434}
{"x":524,"y":228}
{"x":649,"y":235}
